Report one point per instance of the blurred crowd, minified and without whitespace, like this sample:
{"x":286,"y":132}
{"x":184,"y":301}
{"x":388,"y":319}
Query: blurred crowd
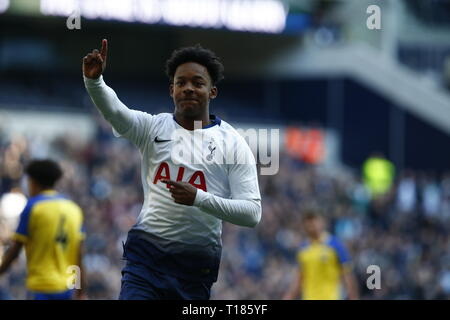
{"x":404,"y":231}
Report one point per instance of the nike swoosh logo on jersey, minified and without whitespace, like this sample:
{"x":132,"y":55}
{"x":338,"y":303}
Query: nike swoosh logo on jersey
{"x":158,"y":140}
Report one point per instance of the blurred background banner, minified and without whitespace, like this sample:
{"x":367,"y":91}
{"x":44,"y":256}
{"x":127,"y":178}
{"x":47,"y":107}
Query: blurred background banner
{"x":362,"y":105}
{"x":258,"y":15}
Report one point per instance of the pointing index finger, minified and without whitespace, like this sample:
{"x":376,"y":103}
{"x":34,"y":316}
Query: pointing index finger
{"x":104,"y":51}
{"x":170,"y":182}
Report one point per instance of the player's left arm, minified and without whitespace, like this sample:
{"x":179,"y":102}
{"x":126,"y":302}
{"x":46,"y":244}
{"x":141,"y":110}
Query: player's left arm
{"x":10,"y":255}
{"x":242,"y":212}
{"x":81,"y":294}
{"x":348,"y":277}
{"x":349,"y":281}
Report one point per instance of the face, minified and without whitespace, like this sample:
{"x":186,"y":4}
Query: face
{"x":314,"y":226}
{"x":191,"y":90}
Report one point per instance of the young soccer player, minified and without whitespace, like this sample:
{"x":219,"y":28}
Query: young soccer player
{"x":323,"y":264}
{"x":50,"y":228}
{"x":174,"y":250}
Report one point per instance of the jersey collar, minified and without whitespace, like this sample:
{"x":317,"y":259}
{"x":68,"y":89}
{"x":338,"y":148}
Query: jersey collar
{"x":48,"y":192}
{"x":215,"y":120}
{"x":322,"y":239}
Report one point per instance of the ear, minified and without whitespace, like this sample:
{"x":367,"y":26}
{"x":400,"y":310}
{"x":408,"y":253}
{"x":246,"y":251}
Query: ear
{"x":171,"y":90}
{"x":213,"y":92}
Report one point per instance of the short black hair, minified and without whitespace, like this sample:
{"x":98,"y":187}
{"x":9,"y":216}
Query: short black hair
{"x":312,"y":213}
{"x":45,"y":172}
{"x":199,"y":55}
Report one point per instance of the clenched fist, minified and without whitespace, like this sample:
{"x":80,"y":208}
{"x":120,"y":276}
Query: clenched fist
{"x":94,"y":63}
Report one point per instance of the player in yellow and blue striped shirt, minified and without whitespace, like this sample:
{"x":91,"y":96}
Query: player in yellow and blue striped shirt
{"x":50,"y":229}
{"x":323,"y":265}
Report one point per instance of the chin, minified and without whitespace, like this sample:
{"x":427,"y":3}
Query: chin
{"x":188,"y":111}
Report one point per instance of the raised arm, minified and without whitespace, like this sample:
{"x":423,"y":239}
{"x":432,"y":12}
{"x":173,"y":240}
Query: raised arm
{"x":105,"y":99}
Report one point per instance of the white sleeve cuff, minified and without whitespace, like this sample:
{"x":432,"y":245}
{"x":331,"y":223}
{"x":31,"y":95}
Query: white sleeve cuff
{"x":200,"y":197}
{"x":92,"y":83}
{"x":240,"y":212}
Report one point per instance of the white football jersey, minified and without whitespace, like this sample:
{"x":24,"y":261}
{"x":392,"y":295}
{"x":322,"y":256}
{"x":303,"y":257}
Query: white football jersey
{"x":215,"y":159}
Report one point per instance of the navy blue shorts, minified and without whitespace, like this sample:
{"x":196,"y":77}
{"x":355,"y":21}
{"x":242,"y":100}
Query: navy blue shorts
{"x":65,"y":295}
{"x":142,"y":283}
{"x":154,"y":272}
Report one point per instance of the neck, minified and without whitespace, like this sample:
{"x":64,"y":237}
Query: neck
{"x":315,"y":236}
{"x":188,"y":123}
{"x":39,"y":191}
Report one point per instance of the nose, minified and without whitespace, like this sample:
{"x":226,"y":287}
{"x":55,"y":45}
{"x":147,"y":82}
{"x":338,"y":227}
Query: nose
{"x":188,"y":89}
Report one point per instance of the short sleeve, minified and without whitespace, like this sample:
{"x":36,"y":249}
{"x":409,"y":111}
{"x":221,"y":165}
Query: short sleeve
{"x":342,"y":253}
{"x":83,"y":232}
{"x":82,"y":227}
{"x":301,"y":248}
{"x":22,"y":231}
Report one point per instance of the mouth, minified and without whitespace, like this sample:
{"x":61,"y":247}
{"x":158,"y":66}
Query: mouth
{"x":189,"y":100}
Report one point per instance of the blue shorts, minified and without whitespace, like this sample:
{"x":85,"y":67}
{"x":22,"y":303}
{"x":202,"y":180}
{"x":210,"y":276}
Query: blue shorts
{"x":65,"y":295}
{"x":142,"y":283}
{"x":152,"y":272}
